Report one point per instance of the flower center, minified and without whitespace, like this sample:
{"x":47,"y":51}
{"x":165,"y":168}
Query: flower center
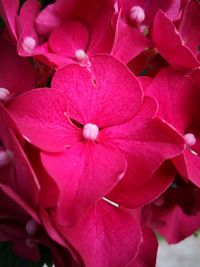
{"x":137,"y":15}
{"x":4,"y":94}
{"x":80,"y":54}
{"x":190,"y":139}
{"x":90,"y":131}
{"x":29,"y":44}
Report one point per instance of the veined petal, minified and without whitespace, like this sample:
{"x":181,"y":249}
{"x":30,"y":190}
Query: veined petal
{"x":41,"y":115}
{"x":84,"y":173}
{"x":100,"y":227}
{"x":105,"y":94}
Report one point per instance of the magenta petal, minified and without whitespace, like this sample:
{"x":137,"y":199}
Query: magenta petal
{"x":105,"y":236}
{"x":28,"y":13}
{"x":170,"y":44}
{"x":129,"y":41}
{"x":8,"y":10}
{"x":19,"y":176}
{"x":138,"y":140}
{"x":190,"y":27}
{"x":90,"y":96}
{"x":68,"y":38}
{"x":177,"y":97}
{"x":147,"y":251}
{"x":190,"y":167}
{"x":47,"y":20}
{"x":41,"y":115}
{"x":132,"y":193}
{"x":84,"y":173}
{"x":16,"y":73}
{"x":177,"y":225}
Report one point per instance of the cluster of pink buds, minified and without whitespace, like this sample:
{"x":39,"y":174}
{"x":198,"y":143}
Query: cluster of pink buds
{"x":99,"y":128}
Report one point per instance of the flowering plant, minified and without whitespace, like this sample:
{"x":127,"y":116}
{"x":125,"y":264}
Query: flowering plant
{"x":100,"y":128}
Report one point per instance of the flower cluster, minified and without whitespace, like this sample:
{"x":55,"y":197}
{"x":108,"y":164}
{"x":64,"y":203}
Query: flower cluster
{"x":100,"y":128}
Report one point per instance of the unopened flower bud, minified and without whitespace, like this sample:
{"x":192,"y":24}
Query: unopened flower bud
{"x":29,"y":44}
{"x":4,"y":94}
{"x":137,"y":15}
{"x":31,"y":227}
{"x":5,"y":157}
{"x":190,"y":139}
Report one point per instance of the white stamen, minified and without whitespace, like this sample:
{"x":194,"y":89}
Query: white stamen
{"x":30,"y":243}
{"x":80,"y":55}
{"x":4,"y":94}
{"x":31,"y":227}
{"x":137,"y":15}
{"x":90,"y":131}
{"x":111,"y":202}
{"x":29,"y":44}
{"x":193,"y":152}
{"x":190,"y":139}
{"x":5,"y":157}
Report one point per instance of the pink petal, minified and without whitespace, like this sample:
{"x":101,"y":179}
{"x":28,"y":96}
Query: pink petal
{"x":68,"y":38}
{"x":20,"y":177}
{"x":55,"y":235}
{"x":49,"y":191}
{"x":138,"y":140}
{"x":100,"y":227}
{"x":190,"y":27}
{"x":28,"y":13}
{"x":65,"y":7}
{"x":90,"y":96}
{"x":101,"y":33}
{"x":189,"y":166}
{"x":178,"y":225}
{"x":170,"y":44}
{"x":132,"y":193}
{"x":16,"y":73}
{"x":8,"y":10}
{"x":147,"y":251}
{"x":47,"y":20}
{"x":129,"y":41}
{"x":177,"y":97}
{"x":41,"y":115}
{"x":78,"y":173}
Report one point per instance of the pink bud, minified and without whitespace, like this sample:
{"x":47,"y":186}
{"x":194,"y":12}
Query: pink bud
{"x":190,"y":139}
{"x":29,"y":44}
{"x":90,"y":131}
{"x":31,"y":227}
{"x":5,"y":157}
{"x":137,"y":15}
{"x":4,"y":94}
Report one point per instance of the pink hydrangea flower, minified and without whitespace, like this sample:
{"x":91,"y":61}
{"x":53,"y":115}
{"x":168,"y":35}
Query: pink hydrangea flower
{"x":178,"y":100}
{"x":93,"y":122}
